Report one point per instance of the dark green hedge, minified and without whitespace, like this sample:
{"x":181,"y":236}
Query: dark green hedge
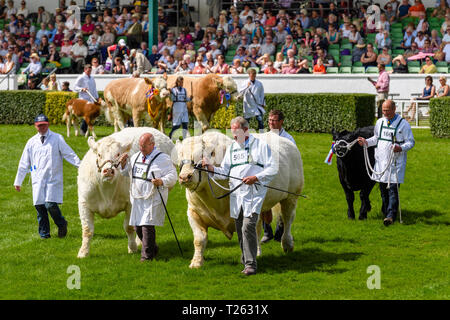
{"x":440,"y":117}
{"x":21,"y":107}
{"x":321,"y":112}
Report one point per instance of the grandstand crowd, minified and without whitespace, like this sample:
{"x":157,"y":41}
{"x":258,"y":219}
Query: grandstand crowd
{"x":285,"y":37}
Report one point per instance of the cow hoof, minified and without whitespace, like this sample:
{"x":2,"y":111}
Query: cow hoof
{"x":287,"y":247}
{"x":196,"y":264}
{"x":132,"y":249}
{"x":82,"y":254}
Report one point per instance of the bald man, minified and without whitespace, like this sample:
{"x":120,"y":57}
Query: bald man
{"x":391,"y":132}
{"x":149,"y":169}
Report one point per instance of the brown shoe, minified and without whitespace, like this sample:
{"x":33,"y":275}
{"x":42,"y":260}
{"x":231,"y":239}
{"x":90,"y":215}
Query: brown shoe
{"x":388,"y":221}
{"x":249,"y":271}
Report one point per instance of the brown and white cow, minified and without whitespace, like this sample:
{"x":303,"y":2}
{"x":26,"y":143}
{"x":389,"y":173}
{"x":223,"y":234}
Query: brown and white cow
{"x":80,"y":108}
{"x":131,"y":97}
{"x":206,"y":92}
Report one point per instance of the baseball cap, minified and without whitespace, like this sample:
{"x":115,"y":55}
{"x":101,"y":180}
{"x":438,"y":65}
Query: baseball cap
{"x":42,"y":118}
{"x":122,"y":43}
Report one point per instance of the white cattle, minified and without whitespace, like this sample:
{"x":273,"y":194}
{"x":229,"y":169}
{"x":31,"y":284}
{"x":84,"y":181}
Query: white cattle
{"x":102,"y":189}
{"x":205,"y":211}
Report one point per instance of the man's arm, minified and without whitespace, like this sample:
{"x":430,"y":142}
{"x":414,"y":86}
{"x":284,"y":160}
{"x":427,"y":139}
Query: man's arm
{"x":24,"y":166}
{"x":67,"y":153}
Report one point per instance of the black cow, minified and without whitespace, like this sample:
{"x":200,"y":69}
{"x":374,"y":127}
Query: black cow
{"x":352,"y":171}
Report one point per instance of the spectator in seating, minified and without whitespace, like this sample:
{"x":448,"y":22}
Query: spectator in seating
{"x":279,"y":61}
{"x":445,"y":23}
{"x":280,"y":34}
{"x":121,"y":29}
{"x":221,"y":67}
{"x":34,"y":68}
{"x":384,"y":57}
{"x":66,"y":86}
{"x":121,"y":50}
{"x":290,"y":68}
{"x":345,"y":29}
{"x":53,"y":84}
{"x":303,"y":66}
{"x":44,"y":48}
{"x":42,"y":31}
{"x":332,"y":35}
{"x":236,"y":68}
{"x":383,"y":23}
{"x":304,"y":19}
{"x":390,"y":13}
{"x":247,"y":12}
{"x":428,"y":67}
{"x":209,"y":65}
{"x":93,"y":49}
{"x":289,"y":45}
{"x":8,"y":64}
{"x":179,"y":51}
{"x":385,"y":41}
{"x":78,"y":54}
{"x":43,"y":16}
{"x":267,"y":47}
{"x":441,"y":9}
{"x":327,"y":59}
{"x":199,"y":68}
{"x":403,"y":10}
{"x":444,"y":89}
{"x":244,"y":40}
{"x":423,"y":24}
{"x":427,"y":47}
{"x":240,"y":54}
{"x":428,"y":92}
{"x":187,"y":59}
{"x":399,"y":64}
{"x":408,"y":39}
{"x":446,"y":37}
{"x":88,"y":27}
{"x":416,"y":9}
{"x":369,"y":58}
{"x":263,"y":62}
{"x":215,"y":51}
{"x":249,"y":25}
{"x":420,"y":40}
{"x":96,"y":67}
{"x":316,"y":20}
{"x":10,"y":10}
{"x":119,"y":66}
{"x":270,"y":69}
{"x":199,"y":33}
{"x":411,"y":51}
{"x":358,"y":51}
{"x":182,"y":68}
{"x":223,"y":23}
{"x":319,"y":68}
{"x":65,"y":48}
{"x":53,"y":55}
{"x":271,"y":20}
{"x":59,"y":36}
{"x":171,"y":64}
{"x":435,"y":40}
{"x":134,"y":32}
{"x":154,"y":56}
{"x":439,"y":55}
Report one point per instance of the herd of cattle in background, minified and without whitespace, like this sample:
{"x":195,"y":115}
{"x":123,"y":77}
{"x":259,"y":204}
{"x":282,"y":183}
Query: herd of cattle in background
{"x":104,"y":191}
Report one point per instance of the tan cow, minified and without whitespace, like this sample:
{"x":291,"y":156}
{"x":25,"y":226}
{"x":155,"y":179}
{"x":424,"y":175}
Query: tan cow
{"x":207,"y":94}
{"x":80,"y":108}
{"x":136,"y":98}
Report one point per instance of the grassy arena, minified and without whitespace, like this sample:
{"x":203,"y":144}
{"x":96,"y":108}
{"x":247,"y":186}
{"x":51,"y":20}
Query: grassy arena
{"x":329,"y":261}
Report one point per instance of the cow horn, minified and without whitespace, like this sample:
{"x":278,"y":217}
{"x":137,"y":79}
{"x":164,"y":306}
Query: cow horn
{"x":92,"y":144}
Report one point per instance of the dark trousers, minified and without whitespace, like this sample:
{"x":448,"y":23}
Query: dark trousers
{"x":389,"y":198}
{"x":83,"y":126}
{"x":147,"y":235}
{"x":248,"y":240}
{"x":184,"y":125}
{"x":278,"y":230}
{"x":259,"y":118}
{"x":42,"y":217}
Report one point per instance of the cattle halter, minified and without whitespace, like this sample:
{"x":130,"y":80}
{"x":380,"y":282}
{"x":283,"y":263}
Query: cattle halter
{"x":114,"y":163}
{"x":342,"y":147}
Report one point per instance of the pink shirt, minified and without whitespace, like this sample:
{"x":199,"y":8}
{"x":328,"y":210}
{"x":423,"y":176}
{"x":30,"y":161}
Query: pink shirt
{"x":289,"y":70}
{"x":383,"y":82}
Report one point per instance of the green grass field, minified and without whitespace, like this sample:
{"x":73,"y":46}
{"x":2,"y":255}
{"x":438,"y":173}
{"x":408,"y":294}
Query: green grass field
{"x":330,"y":258}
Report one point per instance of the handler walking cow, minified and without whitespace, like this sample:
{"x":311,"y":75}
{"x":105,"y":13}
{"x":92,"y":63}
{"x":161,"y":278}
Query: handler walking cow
{"x":149,"y":169}
{"x":254,"y":102}
{"x":393,"y":138}
{"x":43,"y":155}
{"x":250,"y":158}
{"x":180,"y":117}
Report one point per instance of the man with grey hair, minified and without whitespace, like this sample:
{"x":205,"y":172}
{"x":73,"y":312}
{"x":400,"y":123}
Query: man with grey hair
{"x":149,"y":170}
{"x":250,"y":158}
{"x":139,"y":62}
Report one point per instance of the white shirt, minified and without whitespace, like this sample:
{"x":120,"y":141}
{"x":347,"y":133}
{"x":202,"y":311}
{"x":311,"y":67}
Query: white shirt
{"x":253,"y":99}
{"x":258,"y":156}
{"x":84,"y":81}
{"x":45,"y":161}
{"x":446,"y":50}
{"x":383,"y":142}
{"x":146,"y":205}
{"x":180,"y":112}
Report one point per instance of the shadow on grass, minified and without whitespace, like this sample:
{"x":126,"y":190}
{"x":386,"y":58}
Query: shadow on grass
{"x":427,"y":216}
{"x":306,"y":260}
{"x":322,"y":240}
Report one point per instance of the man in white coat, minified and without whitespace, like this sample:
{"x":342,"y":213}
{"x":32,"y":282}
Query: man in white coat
{"x":86,"y":88}
{"x":251,"y":159}
{"x":276,"y":120}
{"x":391,"y":133}
{"x":149,"y":170}
{"x":43,"y":156}
{"x":179,"y":113}
{"x":254,"y":103}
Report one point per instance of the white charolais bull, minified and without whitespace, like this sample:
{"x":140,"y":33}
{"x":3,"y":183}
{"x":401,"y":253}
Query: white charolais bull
{"x":102,"y":189}
{"x":205,"y":211}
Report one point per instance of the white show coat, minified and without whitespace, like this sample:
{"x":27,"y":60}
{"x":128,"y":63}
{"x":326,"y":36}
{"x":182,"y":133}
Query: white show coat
{"x":252,"y":159}
{"x":382,"y":139}
{"x":180,"y":112}
{"x":84,"y":81}
{"x":45,"y":161}
{"x":146,"y":205}
{"x":253,"y":101}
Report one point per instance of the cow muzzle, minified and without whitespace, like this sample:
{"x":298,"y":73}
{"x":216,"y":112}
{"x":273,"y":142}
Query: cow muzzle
{"x":108,"y":173}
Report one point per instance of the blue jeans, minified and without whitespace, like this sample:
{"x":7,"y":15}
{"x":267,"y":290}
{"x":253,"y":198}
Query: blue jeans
{"x":42,"y":217}
{"x":259,"y":118}
{"x":389,"y":198}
